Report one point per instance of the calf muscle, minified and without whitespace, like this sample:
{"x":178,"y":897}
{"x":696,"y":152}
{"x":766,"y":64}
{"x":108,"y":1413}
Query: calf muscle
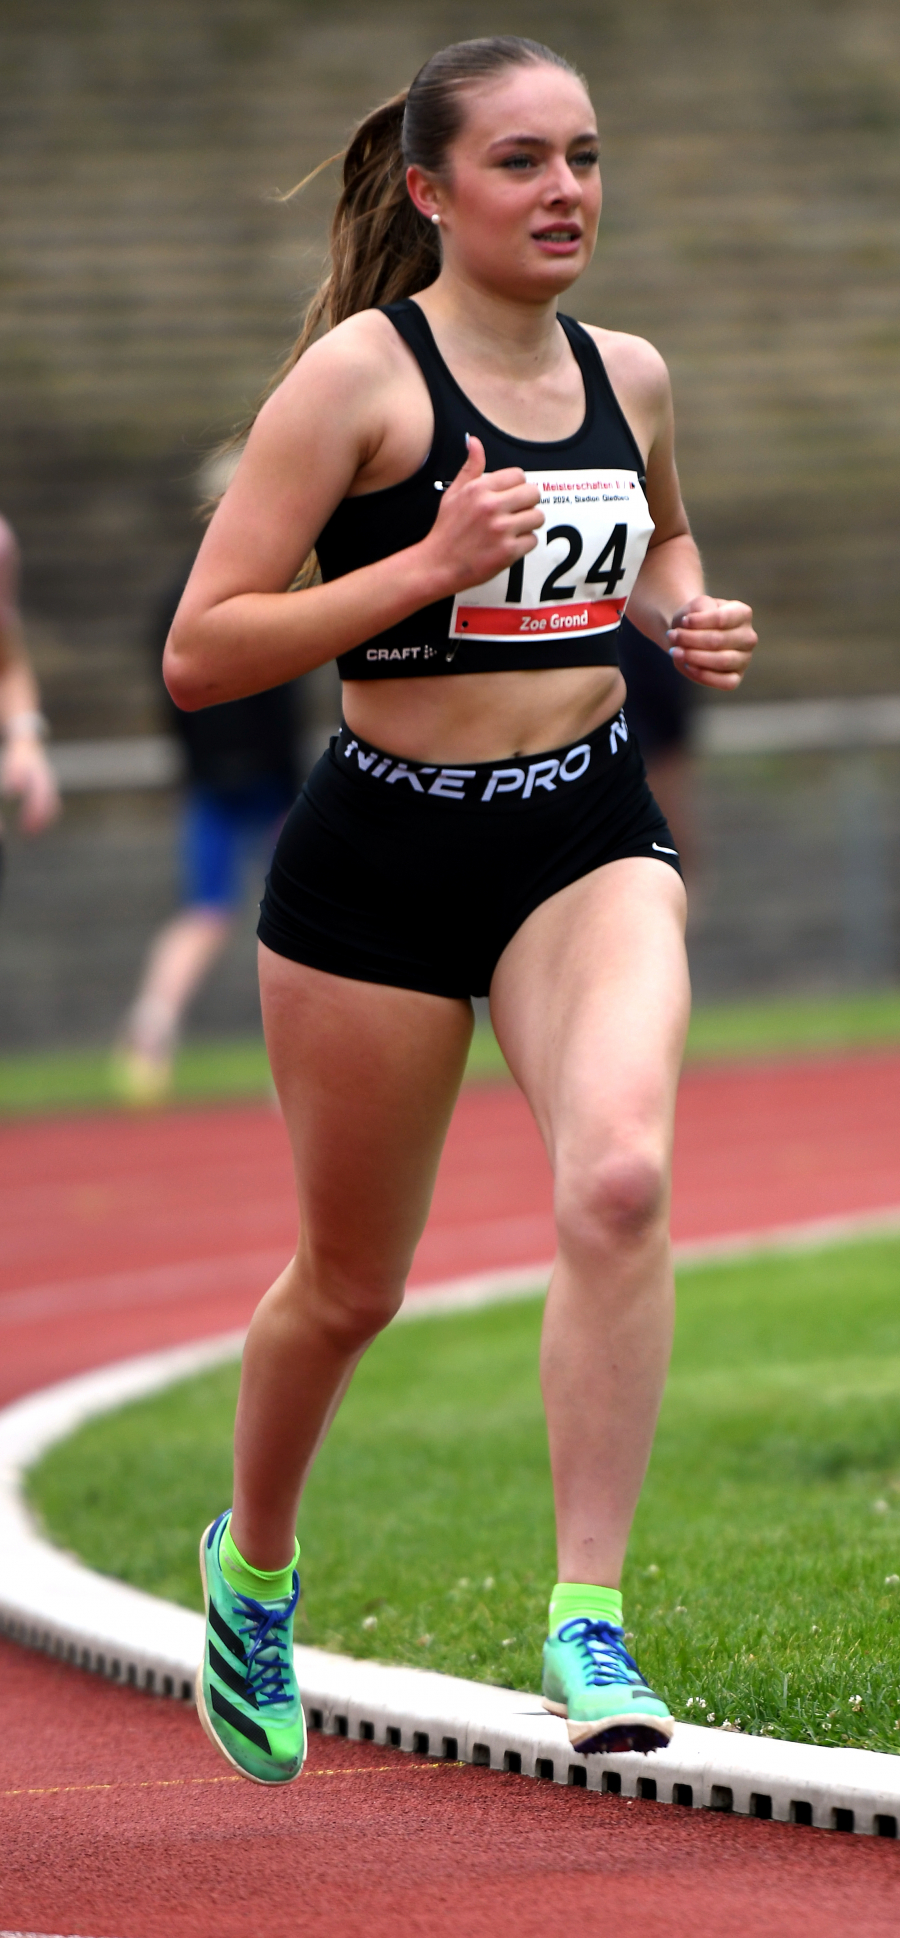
{"x":367,"y":1077}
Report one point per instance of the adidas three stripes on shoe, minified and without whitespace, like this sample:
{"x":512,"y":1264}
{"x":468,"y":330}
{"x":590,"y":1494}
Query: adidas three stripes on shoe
{"x":247,"y":1695}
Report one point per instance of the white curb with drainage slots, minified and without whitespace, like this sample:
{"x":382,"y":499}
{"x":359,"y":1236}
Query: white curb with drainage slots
{"x":49,"y":1600}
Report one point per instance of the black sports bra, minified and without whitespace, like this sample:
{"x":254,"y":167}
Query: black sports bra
{"x":559,"y":606}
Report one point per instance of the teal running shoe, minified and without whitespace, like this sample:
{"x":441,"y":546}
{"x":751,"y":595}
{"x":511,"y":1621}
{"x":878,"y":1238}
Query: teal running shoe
{"x":590,"y":1678}
{"x":247,"y":1695}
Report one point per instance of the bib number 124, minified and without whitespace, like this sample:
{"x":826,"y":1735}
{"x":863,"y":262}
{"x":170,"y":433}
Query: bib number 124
{"x":607,"y":570}
{"x":581,"y":572}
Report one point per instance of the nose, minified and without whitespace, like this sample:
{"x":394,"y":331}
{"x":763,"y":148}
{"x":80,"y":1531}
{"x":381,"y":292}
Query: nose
{"x":562,"y":185}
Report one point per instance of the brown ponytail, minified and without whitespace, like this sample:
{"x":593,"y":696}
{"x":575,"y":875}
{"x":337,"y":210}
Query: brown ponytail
{"x":381,"y":248}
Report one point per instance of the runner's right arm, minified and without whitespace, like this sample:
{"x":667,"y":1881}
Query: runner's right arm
{"x":239,"y":629}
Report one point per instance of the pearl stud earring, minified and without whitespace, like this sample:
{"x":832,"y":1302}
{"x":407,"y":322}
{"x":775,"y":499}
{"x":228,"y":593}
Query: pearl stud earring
{"x":436,"y":218}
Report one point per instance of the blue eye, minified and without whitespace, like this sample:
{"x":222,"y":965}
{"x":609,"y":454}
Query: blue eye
{"x":588,"y":159}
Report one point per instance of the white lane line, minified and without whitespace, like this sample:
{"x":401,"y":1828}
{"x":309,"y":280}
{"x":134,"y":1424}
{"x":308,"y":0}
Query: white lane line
{"x":807,"y":1236}
{"x":204,"y":1277}
{"x":476,"y":1289}
{"x":151,"y":1285}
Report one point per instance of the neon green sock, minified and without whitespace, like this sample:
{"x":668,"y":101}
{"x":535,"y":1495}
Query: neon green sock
{"x":265,"y":1585}
{"x":571,"y":1599}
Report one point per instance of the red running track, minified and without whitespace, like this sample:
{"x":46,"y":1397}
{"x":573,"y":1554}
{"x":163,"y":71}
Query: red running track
{"x":124,"y":1234}
{"x":121,"y":1235}
{"x":120,"y":1820}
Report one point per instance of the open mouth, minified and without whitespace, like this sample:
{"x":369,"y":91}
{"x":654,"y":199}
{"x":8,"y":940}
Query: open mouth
{"x":560,"y":235}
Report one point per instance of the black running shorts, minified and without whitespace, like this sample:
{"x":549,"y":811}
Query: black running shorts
{"x":404,"y":872}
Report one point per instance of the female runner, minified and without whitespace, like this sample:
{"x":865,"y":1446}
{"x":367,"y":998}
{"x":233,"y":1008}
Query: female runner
{"x":485,"y":484}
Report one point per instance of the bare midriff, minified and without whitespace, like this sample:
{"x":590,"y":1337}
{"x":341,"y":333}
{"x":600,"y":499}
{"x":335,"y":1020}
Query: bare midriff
{"x":483,"y":716}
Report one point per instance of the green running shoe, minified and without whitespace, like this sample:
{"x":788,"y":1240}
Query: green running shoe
{"x":590,"y":1678}
{"x":247,"y":1695}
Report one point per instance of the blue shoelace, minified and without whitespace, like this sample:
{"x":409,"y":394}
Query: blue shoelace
{"x":270,"y":1634}
{"x":603,"y":1651}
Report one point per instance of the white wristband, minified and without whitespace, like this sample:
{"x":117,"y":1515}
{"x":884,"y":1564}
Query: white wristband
{"x":26,"y":726}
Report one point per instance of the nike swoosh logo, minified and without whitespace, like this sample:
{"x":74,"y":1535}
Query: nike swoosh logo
{"x":663,"y":851}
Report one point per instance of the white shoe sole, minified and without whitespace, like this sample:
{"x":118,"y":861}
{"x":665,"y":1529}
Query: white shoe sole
{"x":580,"y":1732}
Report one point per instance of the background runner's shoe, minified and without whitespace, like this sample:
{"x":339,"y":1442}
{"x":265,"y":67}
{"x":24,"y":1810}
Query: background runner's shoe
{"x":590,"y":1678}
{"x":247,"y":1695}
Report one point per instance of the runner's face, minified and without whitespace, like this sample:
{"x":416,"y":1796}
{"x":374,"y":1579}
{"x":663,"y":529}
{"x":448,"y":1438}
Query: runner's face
{"x":520,"y":202}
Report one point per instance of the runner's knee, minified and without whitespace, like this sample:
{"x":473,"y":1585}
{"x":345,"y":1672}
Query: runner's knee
{"x":352,"y":1305}
{"x":613,"y":1201}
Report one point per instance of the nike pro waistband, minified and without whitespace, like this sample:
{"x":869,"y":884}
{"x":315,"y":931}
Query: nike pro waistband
{"x":514,"y":783}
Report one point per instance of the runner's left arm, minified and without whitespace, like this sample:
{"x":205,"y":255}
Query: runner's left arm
{"x":710,"y":640}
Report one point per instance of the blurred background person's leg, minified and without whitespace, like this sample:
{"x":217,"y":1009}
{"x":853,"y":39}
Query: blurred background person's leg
{"x":184,"y":951}
{"x":224,"y":833}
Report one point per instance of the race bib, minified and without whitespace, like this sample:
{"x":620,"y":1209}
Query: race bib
{"x":590,"y":549}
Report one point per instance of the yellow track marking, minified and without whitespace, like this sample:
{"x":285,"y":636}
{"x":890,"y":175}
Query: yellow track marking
{"x":172,"y":1783}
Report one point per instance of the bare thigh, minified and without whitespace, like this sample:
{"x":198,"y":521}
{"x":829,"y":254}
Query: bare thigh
{"x":590,"y":1002}
{"x":367,"y":1077}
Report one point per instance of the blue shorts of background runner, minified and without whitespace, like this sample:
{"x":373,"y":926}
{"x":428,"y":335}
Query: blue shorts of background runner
{"x":223,"y":831}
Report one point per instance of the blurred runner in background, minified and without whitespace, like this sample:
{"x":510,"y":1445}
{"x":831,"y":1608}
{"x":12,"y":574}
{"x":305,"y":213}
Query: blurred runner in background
{"x":25,"y":771}
{"x":242,"y":775}
{"x":658,"y":709}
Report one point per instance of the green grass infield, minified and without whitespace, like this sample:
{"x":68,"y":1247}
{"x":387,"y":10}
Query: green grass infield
{"x":210,"y":1072}
{"x":763,"y":1581}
